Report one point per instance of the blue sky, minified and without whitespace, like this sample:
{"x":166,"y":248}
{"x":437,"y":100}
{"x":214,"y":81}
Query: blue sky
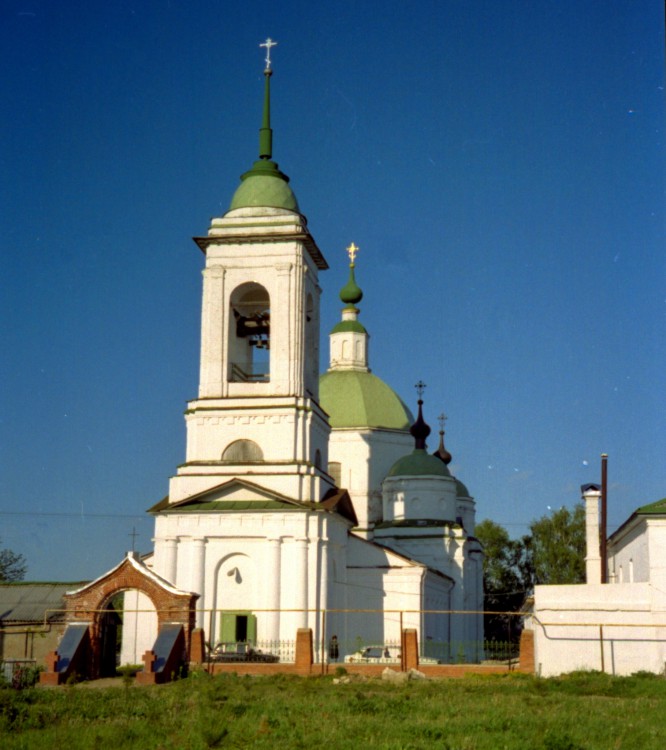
{"x":500,"y":164}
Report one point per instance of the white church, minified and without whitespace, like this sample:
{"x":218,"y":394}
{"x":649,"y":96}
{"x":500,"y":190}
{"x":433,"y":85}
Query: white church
{"x":304,"y":494}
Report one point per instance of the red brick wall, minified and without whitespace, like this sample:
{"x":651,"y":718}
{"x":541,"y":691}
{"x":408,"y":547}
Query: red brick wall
{"x":526,"y":660}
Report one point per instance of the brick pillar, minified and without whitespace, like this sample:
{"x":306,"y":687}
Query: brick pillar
{"x":410,"y":649}
{"x":304,"y":651}
{"x":526,"y":658}
{"x":50,"y":676}
{"x":197,"y":649}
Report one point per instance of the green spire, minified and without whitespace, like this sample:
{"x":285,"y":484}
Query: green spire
{"x":264,"y":184}
{"x":351,"y":293}
{"x":265,"y":132}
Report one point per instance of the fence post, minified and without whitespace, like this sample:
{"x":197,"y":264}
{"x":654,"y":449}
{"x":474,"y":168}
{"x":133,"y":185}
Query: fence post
{"x":304,"y":658}
{"x":526,"y":653}
{"x":324,"y":647}
{"x":410,"y":650}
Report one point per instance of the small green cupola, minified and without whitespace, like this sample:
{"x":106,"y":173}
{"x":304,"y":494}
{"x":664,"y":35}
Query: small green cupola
{"x":352,"y":396}
{"x":351,"y":294}
{"x":264,"y":185}
{"x":419,"y":462}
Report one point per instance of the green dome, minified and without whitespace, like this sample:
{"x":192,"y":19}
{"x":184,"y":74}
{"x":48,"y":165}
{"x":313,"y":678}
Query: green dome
{"x":355,"y":398}
{"x":351,"y":293}
{"x":461,"y":490}
{"x":419,"y":463}
{"x":264,"y":185}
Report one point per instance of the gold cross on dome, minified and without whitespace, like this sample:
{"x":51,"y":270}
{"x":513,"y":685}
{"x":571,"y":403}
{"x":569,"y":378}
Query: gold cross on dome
{"x":268,"y":44}
{"x":420,"y":387}
{"x":442,"y":419}
{"x":352,"y":251}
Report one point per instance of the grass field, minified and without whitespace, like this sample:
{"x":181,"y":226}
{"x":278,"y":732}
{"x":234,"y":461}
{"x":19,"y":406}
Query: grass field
{"x":587,"y":710}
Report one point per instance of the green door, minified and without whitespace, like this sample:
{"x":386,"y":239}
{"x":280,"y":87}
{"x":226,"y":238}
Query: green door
{"x":238,"y":626}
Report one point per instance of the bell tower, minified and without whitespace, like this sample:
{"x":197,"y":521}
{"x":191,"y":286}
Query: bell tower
{"x":257,"y":414}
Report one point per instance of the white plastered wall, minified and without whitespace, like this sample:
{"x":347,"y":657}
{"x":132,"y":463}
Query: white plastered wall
{"x":575,"y":625}
{"x":255,"y":562}
{"x":365,"y":457}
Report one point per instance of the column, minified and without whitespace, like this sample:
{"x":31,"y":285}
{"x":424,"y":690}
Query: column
{"x":274,"y":585}
{"x":170,"y":560}
{"x":212,"y":374}
{"x":323,"y":598}
{"x":282,"y":333}
{"x":198,"y":577}
{"x":301,"y":582}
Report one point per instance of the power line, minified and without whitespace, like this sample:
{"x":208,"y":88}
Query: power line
{"x":70,"y":515}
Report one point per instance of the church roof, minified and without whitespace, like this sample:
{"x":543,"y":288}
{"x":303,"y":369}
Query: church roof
{"x":358,"y":399}
{"x":132,"y":560}
{"x":264,"y":185}
{"x":33,"y":602}
{"x":239,"y":495}
{"x":461,"y":489}
{"x":653,"y":509}
{"x":419,"y":463}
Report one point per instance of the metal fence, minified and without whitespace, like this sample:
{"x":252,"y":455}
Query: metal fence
{"x":357,"y":630}
{"x":15,"y":672}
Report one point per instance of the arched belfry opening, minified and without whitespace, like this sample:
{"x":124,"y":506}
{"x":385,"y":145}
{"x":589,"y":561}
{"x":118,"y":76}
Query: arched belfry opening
{"x":249,"y":334}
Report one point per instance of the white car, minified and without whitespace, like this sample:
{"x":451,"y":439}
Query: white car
{"x":375,"y":655}
{"x":382,"y":655}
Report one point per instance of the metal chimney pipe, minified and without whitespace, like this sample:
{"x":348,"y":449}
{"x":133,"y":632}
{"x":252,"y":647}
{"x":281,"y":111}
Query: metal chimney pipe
{"x":604,"y":518}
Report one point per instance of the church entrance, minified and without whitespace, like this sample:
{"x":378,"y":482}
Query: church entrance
{"x":128,"y":627}
{"x":110,"y":637}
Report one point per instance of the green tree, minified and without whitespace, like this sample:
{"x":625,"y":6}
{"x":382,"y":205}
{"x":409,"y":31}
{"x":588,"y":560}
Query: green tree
{"x":13,"y":566}
{"x":558,"y":546}
{"x":552,"y":553}
{"x":507,"y":579}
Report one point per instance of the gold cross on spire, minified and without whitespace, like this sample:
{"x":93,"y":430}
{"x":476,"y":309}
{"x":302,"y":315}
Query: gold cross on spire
{"x":352,"y":251}
{"x":268,"y":44}
{"x":420,"y":387}
{"x":442,"y":419}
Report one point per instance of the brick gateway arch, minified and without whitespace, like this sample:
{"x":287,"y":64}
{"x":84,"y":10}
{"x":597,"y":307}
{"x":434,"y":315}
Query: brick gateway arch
{"x":89,"y":606}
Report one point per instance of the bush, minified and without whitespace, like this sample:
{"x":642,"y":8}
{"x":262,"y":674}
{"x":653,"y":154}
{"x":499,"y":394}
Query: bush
{"x":24,"y":676}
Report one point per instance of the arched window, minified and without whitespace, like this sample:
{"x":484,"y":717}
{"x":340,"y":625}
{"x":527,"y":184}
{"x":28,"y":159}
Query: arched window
{"x":249,"y":334}
{"x":242,"y":452}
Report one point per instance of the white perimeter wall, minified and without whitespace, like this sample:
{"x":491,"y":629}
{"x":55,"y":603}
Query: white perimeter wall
{"x":567,"y":628}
